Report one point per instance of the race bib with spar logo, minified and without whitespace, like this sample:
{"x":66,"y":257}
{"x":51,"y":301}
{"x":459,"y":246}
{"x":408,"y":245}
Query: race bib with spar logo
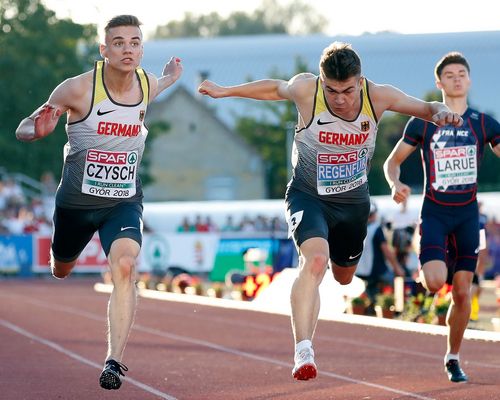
{"x":454,"y":166}
{"x":341,"y":172}
{"x":110,"y":174}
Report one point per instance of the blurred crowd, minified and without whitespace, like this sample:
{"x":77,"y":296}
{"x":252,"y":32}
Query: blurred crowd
{"x":392,"y":246}
{"x":260,"y":223}
{"x":20,"y":214}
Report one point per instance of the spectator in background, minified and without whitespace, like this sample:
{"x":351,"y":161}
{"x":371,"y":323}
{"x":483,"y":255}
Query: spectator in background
{"x":403,"y":226}
{"x":229,"y":226}
{"x":211,"y":226}
{"x":13,"y":193}
{"x":3,"y":196}
{"x":49,"y":184}
{"x":199,"y":225}
{"x":483,"y":261}
{"x":493,"y":245}
{"x":186,"y":226}
{"x":372,"y":266}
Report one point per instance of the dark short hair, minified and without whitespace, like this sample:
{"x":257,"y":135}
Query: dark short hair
{"x":122,"y":20}
{"x":340,"y":62}
{"x":453,"y":57}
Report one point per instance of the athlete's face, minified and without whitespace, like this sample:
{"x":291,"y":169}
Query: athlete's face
{"x":123,"y":47}
{"x":454,"y":80}
{"x":343,"y":96}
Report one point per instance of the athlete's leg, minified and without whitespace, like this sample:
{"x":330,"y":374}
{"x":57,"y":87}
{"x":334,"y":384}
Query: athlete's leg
{"x":122,"y":303}
{"x":434,"y":231}
{"x":459,"y":311}
{"x":73,"y":229}
{"x":305,"y":300}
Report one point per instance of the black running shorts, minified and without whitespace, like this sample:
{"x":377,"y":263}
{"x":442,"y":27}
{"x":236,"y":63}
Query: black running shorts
{"x":74,"y":228}
{"x":450,"y":234}
{"x":343,"y":226}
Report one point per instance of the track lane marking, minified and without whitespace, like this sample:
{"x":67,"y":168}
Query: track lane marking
{"x":79,"y":358}
{"x":217,"y":347}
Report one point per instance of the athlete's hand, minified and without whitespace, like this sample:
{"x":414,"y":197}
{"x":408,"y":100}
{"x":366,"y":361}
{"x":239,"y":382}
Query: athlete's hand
{"x":173,"y":68}
{"x":400,"y":192}
{"x":211,"y":89}
{"x":443,"y":118}
{"x":46,"y":120}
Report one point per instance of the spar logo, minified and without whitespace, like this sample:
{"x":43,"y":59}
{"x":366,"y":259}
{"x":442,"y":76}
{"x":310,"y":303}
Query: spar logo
{"x":110,"y":157}
{"x":453,"y":152}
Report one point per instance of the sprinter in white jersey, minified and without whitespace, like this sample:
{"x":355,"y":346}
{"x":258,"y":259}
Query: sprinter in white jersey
{"x":327,"y":199}
{"x":100,"y":189}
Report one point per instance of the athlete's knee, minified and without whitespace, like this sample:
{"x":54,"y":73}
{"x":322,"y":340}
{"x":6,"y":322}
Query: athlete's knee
{"x":316,"y":264}
{"x":461,"y":295}
{"x":433,"y":284}
{"x":59,"y":273}
{"x":433,"y":276}
{"x":125,"y":268}
{"x":343,"y":275}
{"x":60,"y":270}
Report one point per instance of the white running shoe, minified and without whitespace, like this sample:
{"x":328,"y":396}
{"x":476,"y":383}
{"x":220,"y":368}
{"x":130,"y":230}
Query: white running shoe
{"x":304,"y":368}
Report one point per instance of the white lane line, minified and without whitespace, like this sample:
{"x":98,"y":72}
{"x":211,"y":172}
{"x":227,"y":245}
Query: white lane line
{"x":229,"y":350}
{"x":81,"y":359}
{"x":267,"y":328}
{"x":272,"y":360}
{"x":336,"y":339}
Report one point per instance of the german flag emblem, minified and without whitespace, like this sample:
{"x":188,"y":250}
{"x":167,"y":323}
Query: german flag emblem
{"x":141,"y":115}
{"x":365,"y":126}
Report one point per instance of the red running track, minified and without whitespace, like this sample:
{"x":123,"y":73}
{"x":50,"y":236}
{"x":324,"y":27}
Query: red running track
{"x":52,"y":345}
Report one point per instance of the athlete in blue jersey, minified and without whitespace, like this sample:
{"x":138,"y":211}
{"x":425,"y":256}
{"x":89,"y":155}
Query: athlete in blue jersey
{"x":100,"y":189}
{"x":451,"y":157}
{"x":327,"y":199}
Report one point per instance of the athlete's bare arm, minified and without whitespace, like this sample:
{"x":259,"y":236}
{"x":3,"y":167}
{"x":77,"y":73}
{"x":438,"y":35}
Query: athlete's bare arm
{"x":170,"y":74}
{"x":71,"y":96}
{"x":386,"y":97}
{"x":265,"y":89}
{"x":299,"y":89}
{"x":392,"y":170}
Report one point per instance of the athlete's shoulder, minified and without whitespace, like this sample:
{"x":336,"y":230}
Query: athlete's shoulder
{"x":303,"y":84}
{"x":72,"y":89}
{"x":80,"y":82}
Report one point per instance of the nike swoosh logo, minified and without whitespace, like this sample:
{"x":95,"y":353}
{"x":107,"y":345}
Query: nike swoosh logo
{"x":127,"y":227}
{"x":353,"y":257}
{"x":319,"y":122}
{"x":99,"y":112}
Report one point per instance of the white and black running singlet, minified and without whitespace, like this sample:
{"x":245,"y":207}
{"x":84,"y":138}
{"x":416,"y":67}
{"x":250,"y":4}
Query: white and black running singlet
{"x":331,"y":155}
{"x":104,"y":150}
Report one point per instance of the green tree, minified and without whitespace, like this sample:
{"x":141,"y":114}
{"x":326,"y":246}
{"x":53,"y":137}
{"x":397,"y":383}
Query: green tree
{"x":38,"y":52}
{"x":295,"y":18}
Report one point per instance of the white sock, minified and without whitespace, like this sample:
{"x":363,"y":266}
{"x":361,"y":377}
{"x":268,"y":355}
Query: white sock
{"x":451,"y":356}
{"x":302,"y":345}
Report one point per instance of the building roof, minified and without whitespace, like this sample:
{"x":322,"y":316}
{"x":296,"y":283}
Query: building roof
{"x":405,"y":61}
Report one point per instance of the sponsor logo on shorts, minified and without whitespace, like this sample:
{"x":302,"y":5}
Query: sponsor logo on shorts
{"x":123,"y":228}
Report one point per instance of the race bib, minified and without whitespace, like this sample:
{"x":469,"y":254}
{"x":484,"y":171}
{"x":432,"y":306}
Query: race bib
{"x":339,"y":173}
{"x":454,"y":166}
{"x":110,"y":174}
